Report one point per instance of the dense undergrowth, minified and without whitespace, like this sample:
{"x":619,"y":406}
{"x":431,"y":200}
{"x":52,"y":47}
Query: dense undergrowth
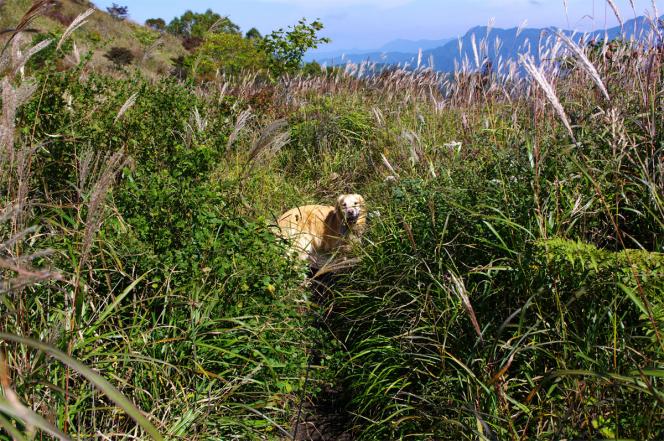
{"x":510,"y":285}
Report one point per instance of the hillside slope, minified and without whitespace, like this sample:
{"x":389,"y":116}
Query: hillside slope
{"x":153,"y":52}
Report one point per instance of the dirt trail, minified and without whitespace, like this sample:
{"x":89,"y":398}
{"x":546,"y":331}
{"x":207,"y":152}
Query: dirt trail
{"x":324,"y":418}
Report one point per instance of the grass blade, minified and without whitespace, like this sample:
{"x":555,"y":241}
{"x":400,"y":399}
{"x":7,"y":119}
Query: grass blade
{"x":100,"y":382}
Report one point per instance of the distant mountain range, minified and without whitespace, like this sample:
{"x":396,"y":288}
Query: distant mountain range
{"x":493,"y":44}
{"x":395,"y":52}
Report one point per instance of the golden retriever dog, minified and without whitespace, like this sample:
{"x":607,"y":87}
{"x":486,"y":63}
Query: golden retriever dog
{"x":317,"y":232}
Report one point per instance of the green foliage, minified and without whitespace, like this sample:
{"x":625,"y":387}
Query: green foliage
{"x":253,"y":34}
{"x":156,"y":24}
{"x":442,"y":259}
{"x":145,"y":37}
{"x":509,"y":285}
{"x":204,"y":294}
{"x":49,"y":56}
{"x":596,"y":273}
{"x":312,"y":68}
{"x":197,"y":25}
{"x":120,"y":56}
{"x":287,"y":48}
{"x":333,"y":134}
{"x":228,"y":53}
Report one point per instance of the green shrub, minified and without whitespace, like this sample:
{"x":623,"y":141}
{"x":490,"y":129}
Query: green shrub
{"x":192,"y":304}
{"x":120,"y":56}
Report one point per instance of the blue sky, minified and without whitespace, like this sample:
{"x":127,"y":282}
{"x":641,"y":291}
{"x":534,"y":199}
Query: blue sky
{"x":366,"y":24}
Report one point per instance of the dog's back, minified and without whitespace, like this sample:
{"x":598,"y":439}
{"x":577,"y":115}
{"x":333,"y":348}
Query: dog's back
{"x":317,"y":231}
{"x":305,"y":219}
{"x":305,"y":227}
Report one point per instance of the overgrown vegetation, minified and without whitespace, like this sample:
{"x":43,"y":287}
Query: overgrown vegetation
{"x":510,"y":285}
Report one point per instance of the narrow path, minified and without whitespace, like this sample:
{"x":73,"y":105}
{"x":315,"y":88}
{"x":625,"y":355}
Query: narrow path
{"x":324,"y":418}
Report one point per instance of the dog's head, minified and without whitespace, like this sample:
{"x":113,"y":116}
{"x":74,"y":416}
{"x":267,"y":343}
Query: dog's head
{"x":350,"y":207}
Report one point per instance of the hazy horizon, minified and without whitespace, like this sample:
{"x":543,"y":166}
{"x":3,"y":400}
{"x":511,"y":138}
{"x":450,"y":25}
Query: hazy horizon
{"x":369,"y":24}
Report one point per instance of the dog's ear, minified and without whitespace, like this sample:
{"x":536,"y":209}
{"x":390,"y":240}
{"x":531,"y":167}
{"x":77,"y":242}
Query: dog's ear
{"x":340,"y":201}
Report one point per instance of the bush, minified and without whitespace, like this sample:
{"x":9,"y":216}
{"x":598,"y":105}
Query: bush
{"x":205,"y":295}
{"x":227,"y":53}
{"x":156,"y":24}
{"x":120,"y":56}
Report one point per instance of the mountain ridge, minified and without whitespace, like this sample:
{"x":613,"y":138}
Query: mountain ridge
{"x":514,"y":41}
{"x":395,"y":51}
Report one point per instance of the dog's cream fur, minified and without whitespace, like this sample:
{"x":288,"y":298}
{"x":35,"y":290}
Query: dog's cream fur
{"x":317,"y":232}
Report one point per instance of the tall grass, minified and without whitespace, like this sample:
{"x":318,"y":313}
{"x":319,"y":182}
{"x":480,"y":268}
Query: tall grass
{"x":130,"y":281}
{"x":509,"y":287}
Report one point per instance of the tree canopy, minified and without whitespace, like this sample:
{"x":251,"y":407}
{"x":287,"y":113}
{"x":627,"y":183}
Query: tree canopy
{"x":197,"y":25}
{"x":216,"y":44}
{"x":228,"y":53}
{"x":157,"y":24}
{"x":286,"y":49}
{"x":118,"y":12}
{"x":253,"y":34}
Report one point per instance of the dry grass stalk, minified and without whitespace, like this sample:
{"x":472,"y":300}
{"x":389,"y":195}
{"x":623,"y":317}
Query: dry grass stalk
{"x":389,"y":166}
{"x":616,"y":12}
{"x":24,"y":158}
{"x":12,"y":99}
{"x":199,"y":122}
{"x":654,"y":9}
{"x":241,"y":121}
{"x":38,"y":8}
{"x":21,"y":59}
{"x":74,"y":58}
{"x":459,"y":288}
{"x":476,"y":54}
{"x":9,"y":106}
{"x":108,"y":170}
{"x":22,"y":274}
{"x":79,"y":21}
{"x":633,"y":6}
{"x":147,"y":54}
{"x":521,"y":27}
{"x":270,"y":142}
{"x":585,"y":62}
{"x":415,"y":146}
{"x":539,"y":78}
{"x":130,"y":102}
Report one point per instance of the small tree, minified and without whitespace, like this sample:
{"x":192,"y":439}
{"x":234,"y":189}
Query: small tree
{"x":118,"y":12}
{"x":229,"y":53}
{"x":156,"y":24}
{"x":197,"y":25}
{"x":287,"y":48}
{"x":253,"y":34}
{"x":120,"y":56}
{"x":312,"y":69}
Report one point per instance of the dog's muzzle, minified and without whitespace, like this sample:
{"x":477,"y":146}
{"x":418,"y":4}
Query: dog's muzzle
{"x":352,"y":215}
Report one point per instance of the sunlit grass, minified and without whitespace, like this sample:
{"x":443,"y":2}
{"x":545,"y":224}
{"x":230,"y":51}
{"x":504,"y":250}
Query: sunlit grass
{"x":509,"y":287}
